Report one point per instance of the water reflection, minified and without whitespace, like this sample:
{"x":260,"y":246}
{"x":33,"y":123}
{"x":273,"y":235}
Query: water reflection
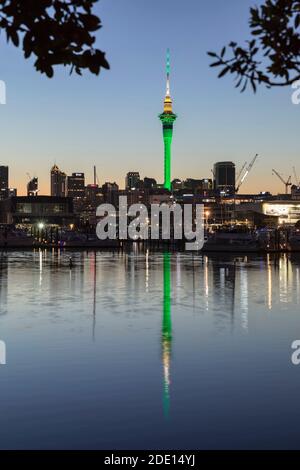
{"x":3,"y":283}
{"x":94,"y":271}
{"x":166,"y":331}
{"x":270,"y":279}
{"x":103,"y":333}
{"x":244,"y":297}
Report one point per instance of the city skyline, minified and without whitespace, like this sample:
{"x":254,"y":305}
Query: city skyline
{"x":217,"y":123}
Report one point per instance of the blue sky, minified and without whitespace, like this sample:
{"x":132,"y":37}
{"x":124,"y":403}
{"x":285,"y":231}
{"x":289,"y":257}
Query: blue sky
{"x":112,"y":120}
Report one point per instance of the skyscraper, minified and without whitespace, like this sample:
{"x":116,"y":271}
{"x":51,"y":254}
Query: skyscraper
{"x":110,"y":193}
{"x":132,"y":180}
{"x":3,"y":182}
{"x":76,"y":186}
{"x":32,"y":187}
{"x":167,"y":118}
{"x":224,"y":177}
{"x":58,"y":182}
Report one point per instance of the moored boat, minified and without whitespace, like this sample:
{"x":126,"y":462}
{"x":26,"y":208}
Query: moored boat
{"x":294,"y":240}
{"x":232,"y":240}
{"x":15,"y":238}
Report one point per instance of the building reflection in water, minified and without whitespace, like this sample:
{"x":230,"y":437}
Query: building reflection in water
{"x":166,"y":331}
{"x":244,"y":303}
{"x":147,"y":272}
{"x":41,"y":266}
{"x":206,"y":285}
{"x":270,"y":279}
{"x":94,"y":271}
{"x":3,"y":283}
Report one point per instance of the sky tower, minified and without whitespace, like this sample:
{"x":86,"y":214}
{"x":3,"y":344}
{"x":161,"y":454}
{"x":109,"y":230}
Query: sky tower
{"x":167,"y":118}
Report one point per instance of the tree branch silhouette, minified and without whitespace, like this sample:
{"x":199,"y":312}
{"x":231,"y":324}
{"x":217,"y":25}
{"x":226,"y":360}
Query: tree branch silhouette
{"x":56,"y":32}
{"x":272,"y":56}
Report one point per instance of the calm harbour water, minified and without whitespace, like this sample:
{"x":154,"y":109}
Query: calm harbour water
{"x":149,"y":350}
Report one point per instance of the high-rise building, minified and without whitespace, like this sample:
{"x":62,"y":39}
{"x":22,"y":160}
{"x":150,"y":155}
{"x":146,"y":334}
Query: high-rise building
{"x":3,"y":182}
{"x":132,"y":180}
{"x":76,"y":186}
{"x":167,"y":118}
{"x":32,"y":187}
{"x":110,"y":193}
{"x":58,"y":182}
{"x":149,"y":183}
{"x":224,"y":177}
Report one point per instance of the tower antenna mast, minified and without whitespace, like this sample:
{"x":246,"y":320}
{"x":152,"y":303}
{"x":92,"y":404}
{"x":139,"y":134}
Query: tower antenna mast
{"x":167,"y":119}
{"x":168,"y":70}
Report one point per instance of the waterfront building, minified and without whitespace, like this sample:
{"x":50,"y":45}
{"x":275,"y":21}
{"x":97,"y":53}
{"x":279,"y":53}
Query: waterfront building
{"x":274,"y":212}
{"x":32,"y":210}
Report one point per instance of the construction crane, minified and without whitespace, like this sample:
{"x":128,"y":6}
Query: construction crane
{"x":286,"y":183}
{"x":297,"y":181}
{"x":240,"y":179}
{"x":240,"y":172}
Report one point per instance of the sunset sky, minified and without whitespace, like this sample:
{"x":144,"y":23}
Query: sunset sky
{"x":112,"y":120}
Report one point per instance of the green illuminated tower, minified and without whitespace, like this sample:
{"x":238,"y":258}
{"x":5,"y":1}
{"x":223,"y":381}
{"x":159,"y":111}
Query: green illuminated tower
{"x":168,"y":118}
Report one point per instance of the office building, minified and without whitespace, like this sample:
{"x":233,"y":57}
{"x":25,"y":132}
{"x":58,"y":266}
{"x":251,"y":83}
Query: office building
{"x":76,"y":186}
{"x":3,"y":182}
{"x":58,"y":182}
{"x":132,"y":180}
{"x":224,"y":177}
{"x":110,"y":193}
